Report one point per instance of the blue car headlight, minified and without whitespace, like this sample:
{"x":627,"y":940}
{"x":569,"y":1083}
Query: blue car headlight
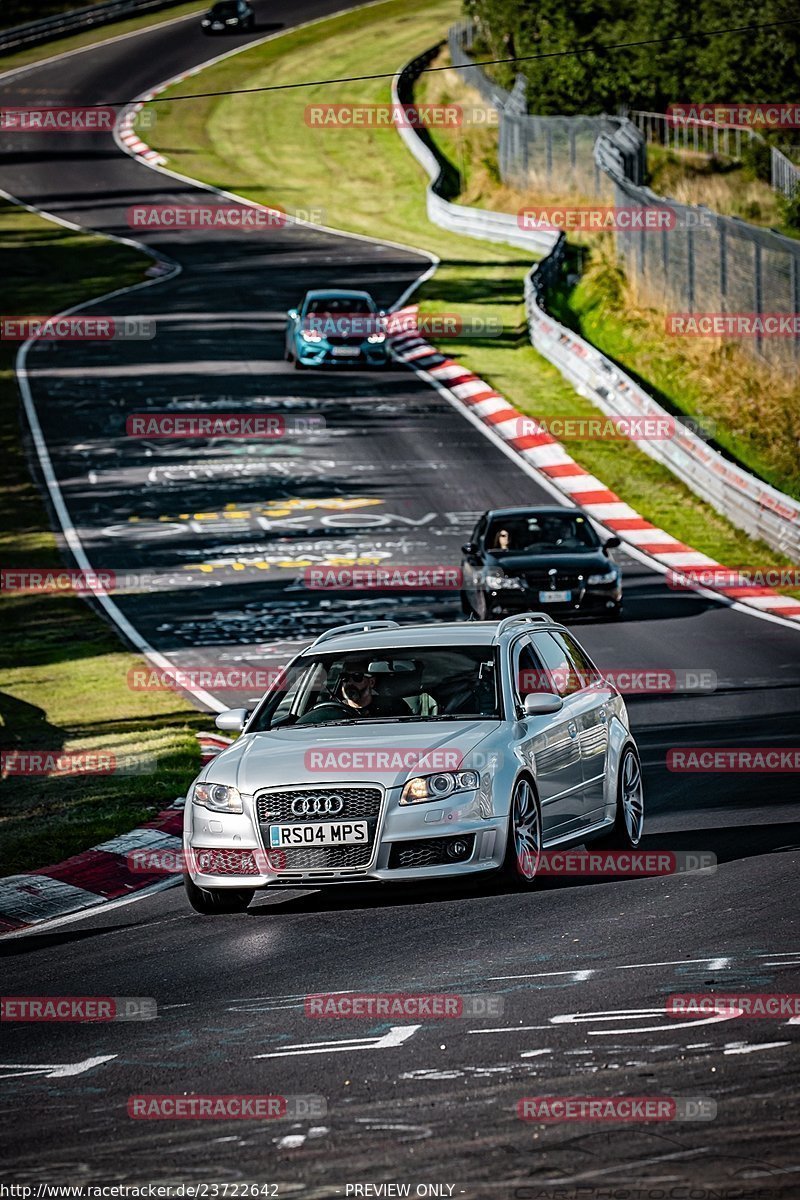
{"x":311,"y":335}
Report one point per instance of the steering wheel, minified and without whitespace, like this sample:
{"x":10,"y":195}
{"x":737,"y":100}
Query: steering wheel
{"x":325,"y":710}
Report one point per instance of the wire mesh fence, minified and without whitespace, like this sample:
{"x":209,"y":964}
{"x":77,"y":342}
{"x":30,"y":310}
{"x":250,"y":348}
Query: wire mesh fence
{"x":695,"y":261}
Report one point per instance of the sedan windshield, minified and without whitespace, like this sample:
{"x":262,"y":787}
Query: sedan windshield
{"x":540,"y":533}
{"x":225,"y":10}
{"x":411,"y":684}
{"x":333,"y":305}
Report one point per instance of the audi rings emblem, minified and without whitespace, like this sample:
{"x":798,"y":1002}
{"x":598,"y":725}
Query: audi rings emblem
{"x":317,"y":806}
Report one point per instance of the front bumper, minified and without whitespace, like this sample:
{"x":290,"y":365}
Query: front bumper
{"x":585,"y":600}
{"x":410,"y":844}
{"x":321,"y":354}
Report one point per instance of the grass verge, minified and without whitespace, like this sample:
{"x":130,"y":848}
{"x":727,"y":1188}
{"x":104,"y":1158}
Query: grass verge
{"x":262,"y":147}
{"x":63,"y":672}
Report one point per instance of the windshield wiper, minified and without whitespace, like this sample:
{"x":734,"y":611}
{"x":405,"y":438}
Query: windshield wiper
{"x":451,"y":717}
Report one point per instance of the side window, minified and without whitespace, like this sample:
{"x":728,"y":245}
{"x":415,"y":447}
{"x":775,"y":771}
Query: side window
{"x":479,"y":531}
{"x":586,"y":670}
{"x":560,"y":669}
{"x":530,"y":674}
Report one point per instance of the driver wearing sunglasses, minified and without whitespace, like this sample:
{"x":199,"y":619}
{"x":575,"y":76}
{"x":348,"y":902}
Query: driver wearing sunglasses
{"x":354,"y":694}
{"x":358,"y":689}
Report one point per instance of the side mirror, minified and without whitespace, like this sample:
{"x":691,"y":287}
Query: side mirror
{"x":612,"y":543}
{"x":469,"y":548}
{"x":233,"y":720}
{"x":539,"y":704}
{"x":293,"y":314}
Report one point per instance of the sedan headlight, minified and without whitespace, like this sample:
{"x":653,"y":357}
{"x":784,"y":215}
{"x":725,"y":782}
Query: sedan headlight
{"x":608,"y":577}
{"x":374,"y":338}
{"x":218,"y":797}
{"x":436,"y":787}
{"x":231,"y":20}
{"x":311,"y":335}
{"x":496,"y":580}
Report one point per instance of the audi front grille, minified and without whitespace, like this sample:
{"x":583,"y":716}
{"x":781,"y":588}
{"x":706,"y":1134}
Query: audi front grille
{"x":286,"y":807}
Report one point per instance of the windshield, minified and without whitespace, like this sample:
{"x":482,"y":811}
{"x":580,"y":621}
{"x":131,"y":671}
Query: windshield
{"x":225,"y":10}
{"x":540,"y":533}
{"x":334,"y":305}
{"x":411,"y":684}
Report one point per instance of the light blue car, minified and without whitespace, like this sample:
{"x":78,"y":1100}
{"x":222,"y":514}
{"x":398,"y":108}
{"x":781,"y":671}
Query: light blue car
{"x":336,"y":328}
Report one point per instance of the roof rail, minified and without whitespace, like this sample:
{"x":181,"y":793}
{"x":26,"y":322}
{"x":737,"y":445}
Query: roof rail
{"x":358,"y":627}
{"x":521,"y":619}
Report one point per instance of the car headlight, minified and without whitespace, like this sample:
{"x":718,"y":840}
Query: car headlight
{"x":436,"y":787}
{"x":231,"y":20}
{"x":218,"y":797}
{"x":608,"y":577}
{"x":311,"y":335}
{"x":375,"y":338}
{"x":496,"y":580}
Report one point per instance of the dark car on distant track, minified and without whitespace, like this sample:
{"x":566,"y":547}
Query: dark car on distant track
{"x":539,"y":558}
{"x":229,"y":16}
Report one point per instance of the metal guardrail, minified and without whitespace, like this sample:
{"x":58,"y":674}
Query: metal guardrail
{"x":760,"y":510}
{"x":62,"y":24}
{"x":459,"y":218}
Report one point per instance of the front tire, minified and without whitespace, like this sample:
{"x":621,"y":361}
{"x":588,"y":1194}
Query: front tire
{"x":524,"y":846}
{"x":626,"y":832}
{"x":213,"y":901}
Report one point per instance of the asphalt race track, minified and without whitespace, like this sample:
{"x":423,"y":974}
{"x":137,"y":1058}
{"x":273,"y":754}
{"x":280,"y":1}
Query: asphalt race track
{"x":583,"y":967}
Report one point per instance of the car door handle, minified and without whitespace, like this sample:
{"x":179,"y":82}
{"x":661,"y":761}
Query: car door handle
{"x":572,"y":729}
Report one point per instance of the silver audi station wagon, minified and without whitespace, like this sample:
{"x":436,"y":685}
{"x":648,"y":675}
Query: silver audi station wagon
{"x":407,"y":753}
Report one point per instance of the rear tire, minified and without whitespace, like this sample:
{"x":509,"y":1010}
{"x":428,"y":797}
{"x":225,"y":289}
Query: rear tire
{"x":626,"y":832}
{"x":524,"y":845}
{"x":213,"y":901}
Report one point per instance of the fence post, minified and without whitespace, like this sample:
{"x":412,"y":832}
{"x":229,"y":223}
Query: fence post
{"x":758,"y":289}
{"x":795,"y":269}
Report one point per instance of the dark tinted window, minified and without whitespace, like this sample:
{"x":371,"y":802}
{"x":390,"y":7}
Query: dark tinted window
{"x":560,"y":669}
{"x":584,"y":667}
{"x":339,"y":304}
{"x":532,"y":676}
